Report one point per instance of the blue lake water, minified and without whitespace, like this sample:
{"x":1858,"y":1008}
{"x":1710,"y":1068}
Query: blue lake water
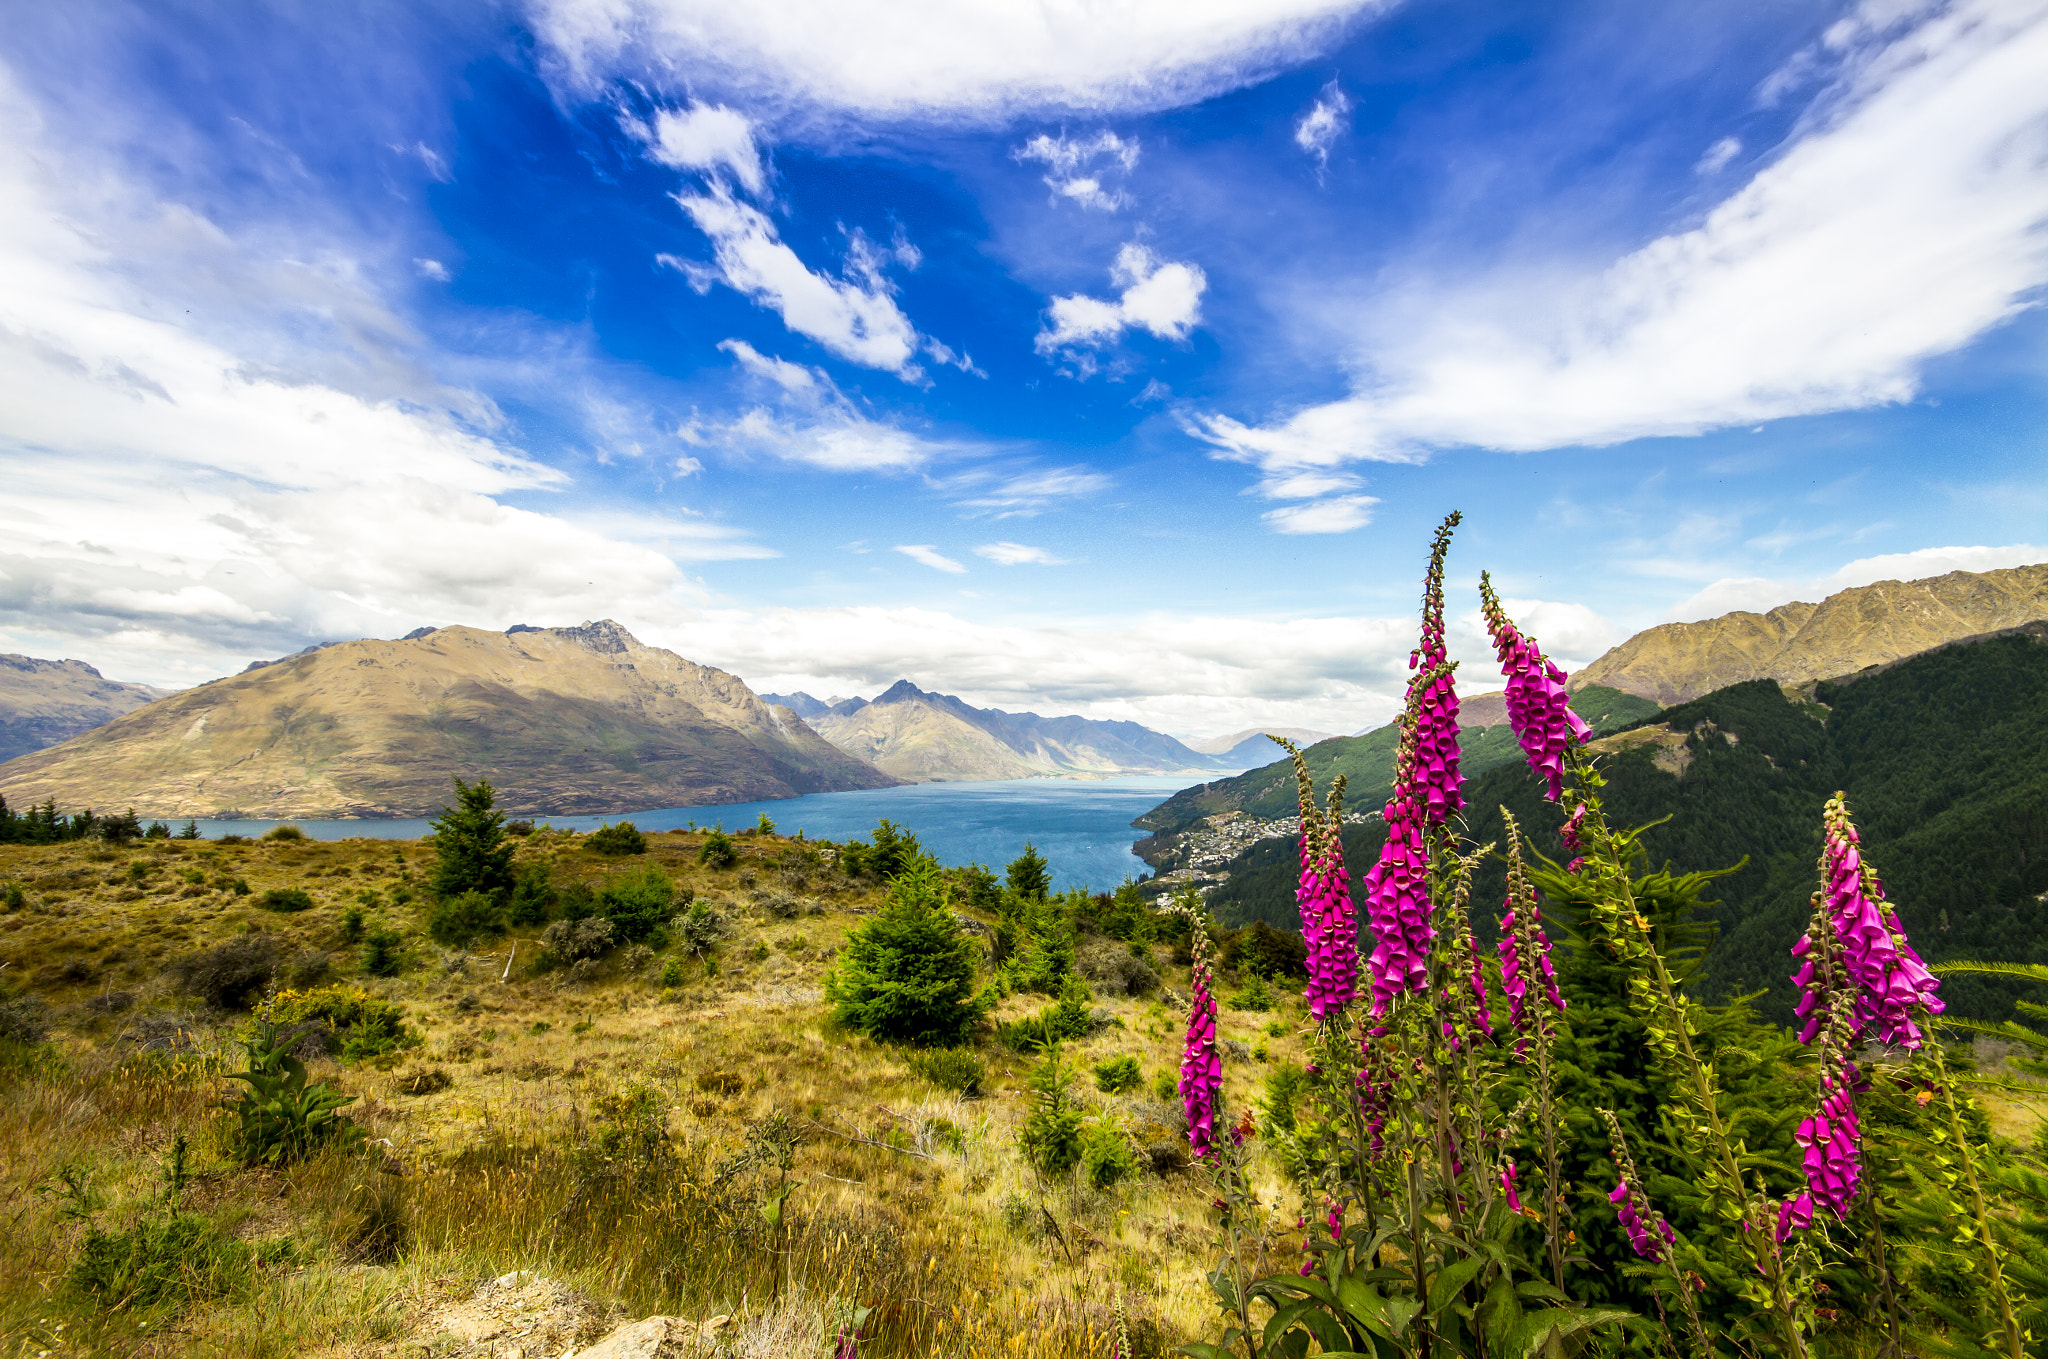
{"x":1082,"y":826}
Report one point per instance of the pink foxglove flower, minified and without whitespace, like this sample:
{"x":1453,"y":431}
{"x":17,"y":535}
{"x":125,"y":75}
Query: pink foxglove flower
{"x":1432,"y":703}
{"x":1642,"y":1235}
{"x":1201,"y":1066}
{"x":1507,"y":1184}
{"x":1397,"y":905}
{"x":1329,"y":921}
{"x":1538,"y":709}
{"x":1794,"y":1215}
{"x":1887,"y":977}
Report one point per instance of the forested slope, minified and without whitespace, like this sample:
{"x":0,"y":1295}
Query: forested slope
{"x":1944,"y":757}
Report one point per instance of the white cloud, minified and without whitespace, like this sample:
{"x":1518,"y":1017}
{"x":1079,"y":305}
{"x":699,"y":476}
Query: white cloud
{"x":924,"y":554}
{"x":1338,"y":514}
{"x":1761,"y":594}
{"x":1027,"y":493}
{"x":1017,"y":554}
{"x":1160,"y":296}
{"x":1904,"y":218}
{"x":433,"y":269}
{"x":1075,"y":166}
{"x":1716,"y":157}
{"x":976,"y":60}
{"x":179,"y":502}
{"x":1183,"y":673}
{"x":687,"y":466}
{"x":1320,"y":127}
{"x":791,"y":377}
{"x":855,"y":316}
{"x":811,"y":421}
{"x":707,"y":137}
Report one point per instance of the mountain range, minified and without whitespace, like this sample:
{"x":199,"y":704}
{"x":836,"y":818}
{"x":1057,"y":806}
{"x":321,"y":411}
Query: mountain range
{"x":561,"y":720}
{"x":1800,"y":643}
{"x":44,"y":702}
{"x":923,"y":737}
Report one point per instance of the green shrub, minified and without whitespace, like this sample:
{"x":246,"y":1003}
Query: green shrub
{"x":458,"y":921}
{"x":672,"y":972}
{"x":285,"y":832}
{"x":1106,"y":1155}
{"x":1064,"y":1019}
{"x":623,"y":838}
{"x":1165,"y":1088}
{"x":12,"y":898}
{"x":533,"y":897}
{"x":240,"y":887}
{"x":165,"y":1256}
{"x":1255,"y":995}
{"x":383,"y":953}
{"x":282,"y":1117}
{"x":1051,"y":1136}
{"x":699,"y":927}
{"x":639,"y":906}
{"x":1285,"y":1085}
{"x":907,"y":975}
{"x":960,"y":1070}
{"x":1117,"y":1075}
{"x":717,"y":850}
{"x":764,"y":826}
{"x":352,"y":925}
{"x":285,"y":899}
{"x":368,"y":1025}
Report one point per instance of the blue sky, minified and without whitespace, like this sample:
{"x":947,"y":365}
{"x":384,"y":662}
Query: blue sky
{"x":1116,"y":362}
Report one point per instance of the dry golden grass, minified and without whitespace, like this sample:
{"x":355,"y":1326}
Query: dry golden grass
{"x":910,"y":1199}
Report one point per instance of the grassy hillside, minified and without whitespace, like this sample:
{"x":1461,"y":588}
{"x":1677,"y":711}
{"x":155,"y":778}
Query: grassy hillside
{"x":612,"y":1127}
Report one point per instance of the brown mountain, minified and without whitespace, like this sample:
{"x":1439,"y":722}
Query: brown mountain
{"x":44,"y":702}
{"x":1797,"y":643}
{"x":561,"y":720}
{"x":930,"y":738}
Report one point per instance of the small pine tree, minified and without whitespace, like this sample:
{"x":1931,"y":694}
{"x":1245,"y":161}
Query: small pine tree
{"x":639,"y":906}
{"x":1029,"y":876}
{"x":533,"y":897}
{"x":620,"y":839}
{"x":1051,"y":1136}
{"x":383,"y":953}
{"x":472,"y":853}
{"x":907,"y":975}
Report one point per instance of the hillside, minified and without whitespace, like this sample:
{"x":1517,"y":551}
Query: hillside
{"x":1800,"y":643}
{"x":512,"y":1117}
{"x":1945,"y":761}
{"x":1367,"y":763}
{"x":924,"y":737}
{"x":566,"y":720}
{"x":45,"y":702}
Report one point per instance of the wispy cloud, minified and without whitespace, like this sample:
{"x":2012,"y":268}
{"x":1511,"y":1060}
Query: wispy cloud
{"x":1338,"y":514}
{"x":1077,"y":166}
{"x":1017,"y":554}
{"x":1760,"y":594}
{"x":1320,"y":127}
{"x":1022,"y":494}
{"x":707,"y":137}
{"x":924,"y":554}
{"x":1900,"y":222}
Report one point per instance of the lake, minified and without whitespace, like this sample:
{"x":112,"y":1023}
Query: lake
{"x":1082,"y":826}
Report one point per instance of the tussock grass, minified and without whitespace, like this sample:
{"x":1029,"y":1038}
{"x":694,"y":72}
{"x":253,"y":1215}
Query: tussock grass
{"x":507,"y":1140}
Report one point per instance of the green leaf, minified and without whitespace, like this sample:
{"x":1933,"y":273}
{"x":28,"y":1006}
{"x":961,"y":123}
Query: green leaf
{"x":1450,"y":1280}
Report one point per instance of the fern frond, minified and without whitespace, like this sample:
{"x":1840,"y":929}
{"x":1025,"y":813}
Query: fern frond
{"x":2025,"y":971}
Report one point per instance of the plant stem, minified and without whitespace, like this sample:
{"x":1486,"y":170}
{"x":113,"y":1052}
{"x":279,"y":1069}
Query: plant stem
{"x":1996,"y":1274}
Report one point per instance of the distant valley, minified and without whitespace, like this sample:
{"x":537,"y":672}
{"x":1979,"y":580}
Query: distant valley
{"x":923,"y":737}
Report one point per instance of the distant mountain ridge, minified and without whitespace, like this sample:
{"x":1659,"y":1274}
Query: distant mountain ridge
{"x":45,"y":702}
{"x":561,"y":720}
{"x":924,"y":737}
{"x":1800,"y":643}
{"x":1367,"y":763}
{"x":1254,"y":745}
